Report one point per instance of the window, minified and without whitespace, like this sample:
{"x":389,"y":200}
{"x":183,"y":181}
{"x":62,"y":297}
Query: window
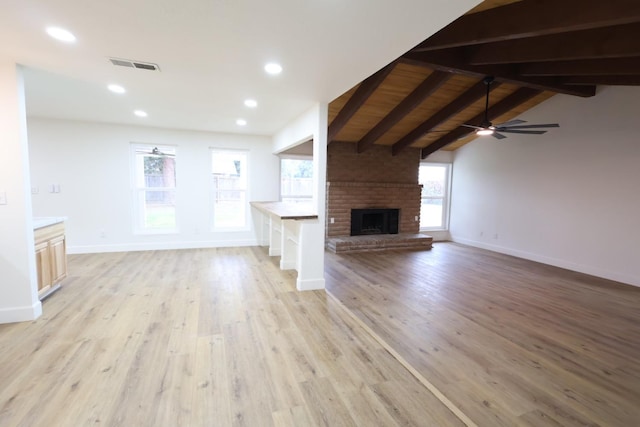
{"x":434,"y":208}
{"x":296,"y":179}
{"x":154,"y":175}
{"x":229,"y":189}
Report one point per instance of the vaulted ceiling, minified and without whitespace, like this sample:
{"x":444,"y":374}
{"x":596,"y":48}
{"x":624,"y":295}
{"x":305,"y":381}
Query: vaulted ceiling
{"x":533,"y":48}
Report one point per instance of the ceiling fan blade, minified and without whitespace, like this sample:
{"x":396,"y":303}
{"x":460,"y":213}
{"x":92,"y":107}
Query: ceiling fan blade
{"x":522,"y":131}
{"x":512,"y":123}
{"x":548,"y":125}
{"x":472,"y":126}
{"x":497,"y":135}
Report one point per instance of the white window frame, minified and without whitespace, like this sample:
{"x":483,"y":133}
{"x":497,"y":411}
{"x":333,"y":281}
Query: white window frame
{"x":212,"y":225}
{"x":293,"y":157}
{"x":137,"y":215}
{"x":446,"y":199}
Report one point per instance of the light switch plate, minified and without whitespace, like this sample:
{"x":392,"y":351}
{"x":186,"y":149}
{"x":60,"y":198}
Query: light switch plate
{"x":3,"y":197}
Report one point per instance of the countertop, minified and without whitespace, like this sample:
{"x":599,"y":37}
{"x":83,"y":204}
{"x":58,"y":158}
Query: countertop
{"x":287,"y":210}
{"x":44,"y":221}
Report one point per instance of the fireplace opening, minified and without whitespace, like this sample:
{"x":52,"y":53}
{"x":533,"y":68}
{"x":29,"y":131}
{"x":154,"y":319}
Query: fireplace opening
{"x":374,"y":221}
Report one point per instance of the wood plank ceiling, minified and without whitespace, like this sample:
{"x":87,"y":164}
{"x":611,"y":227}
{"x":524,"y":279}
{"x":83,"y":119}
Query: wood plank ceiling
{"x":534,"y":49}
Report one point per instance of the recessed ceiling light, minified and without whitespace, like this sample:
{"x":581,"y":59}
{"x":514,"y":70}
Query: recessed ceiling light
{"x":116,"y":89}
{"x":140,"y":113}
{"x":241,"y":122}
{"x":61,"y":34}
{"x":273,"y":68}
{"x":251,"y":103}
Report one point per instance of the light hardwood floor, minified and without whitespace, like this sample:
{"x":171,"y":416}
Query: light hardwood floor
{"x":214,"y":337}
{"x":510,"y":342}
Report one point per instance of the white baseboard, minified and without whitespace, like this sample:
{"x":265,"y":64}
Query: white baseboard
{"x":274,"y":252}
{"x":310,"y":284}
{"x":556,"y":262}
{"x":288,"y":265}
{"x":159,"y":246}
{"x":21,"y":314}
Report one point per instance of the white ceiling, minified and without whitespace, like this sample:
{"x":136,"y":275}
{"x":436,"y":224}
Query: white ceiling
{"x":211,"y":54}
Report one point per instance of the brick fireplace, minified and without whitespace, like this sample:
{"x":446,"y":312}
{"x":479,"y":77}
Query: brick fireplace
{"x":365,"y":222}
{"x":371,"y":180}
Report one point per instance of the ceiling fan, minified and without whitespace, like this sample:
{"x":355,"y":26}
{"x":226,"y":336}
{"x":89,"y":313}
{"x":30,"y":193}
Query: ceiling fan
{"x":512,"y":126}
{"x":155,"y":152}
{"x":159,"y":153}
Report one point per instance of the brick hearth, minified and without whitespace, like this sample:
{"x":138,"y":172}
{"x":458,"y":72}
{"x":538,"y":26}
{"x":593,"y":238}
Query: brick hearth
{"x":380,"y":242}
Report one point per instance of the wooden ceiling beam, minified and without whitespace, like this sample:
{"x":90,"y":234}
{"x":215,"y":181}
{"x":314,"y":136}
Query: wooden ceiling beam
{"x":532,"y":18}
{"x":473,"y":94}
{"x":612,"y":42}
{"x":411,"y":102}
{"x":604,"y":80}
{"x":452,"y":61}
{"x":518,"y":97}
{"x":362,"y":93}
{"x":585,"y":67}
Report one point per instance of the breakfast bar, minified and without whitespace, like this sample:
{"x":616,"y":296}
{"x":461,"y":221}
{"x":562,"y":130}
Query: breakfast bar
{"x":286,"y":229}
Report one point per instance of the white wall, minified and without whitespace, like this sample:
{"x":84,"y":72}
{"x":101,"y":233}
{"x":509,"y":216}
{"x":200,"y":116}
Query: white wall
{"x":91,"y":163}
{"x":569,"y":198}
{"x":310,"y":125}
{"x":18,"y":283}
{"x":440,"y":156}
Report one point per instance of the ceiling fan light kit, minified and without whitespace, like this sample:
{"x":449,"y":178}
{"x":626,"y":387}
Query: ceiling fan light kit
{"x":484,"y":132}
{"x":512,"y":126}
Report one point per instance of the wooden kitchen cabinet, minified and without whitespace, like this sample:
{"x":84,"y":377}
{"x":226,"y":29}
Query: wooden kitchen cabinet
{"x":51,"y":257}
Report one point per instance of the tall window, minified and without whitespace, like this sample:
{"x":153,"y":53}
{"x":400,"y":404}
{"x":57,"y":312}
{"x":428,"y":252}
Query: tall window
{"x":154,"y":175}
{"x":434,"y":209}
{"x":296,"y":179}
{"x":229,"y":189}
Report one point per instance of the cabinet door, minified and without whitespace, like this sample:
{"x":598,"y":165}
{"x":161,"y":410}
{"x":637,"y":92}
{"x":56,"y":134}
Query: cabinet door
{"x":43,"y":265}
{"x":57,"y":247}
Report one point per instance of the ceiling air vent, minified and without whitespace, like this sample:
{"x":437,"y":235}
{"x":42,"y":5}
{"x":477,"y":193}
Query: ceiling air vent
{"x":135,"y":64}
{"x":143,"y":66}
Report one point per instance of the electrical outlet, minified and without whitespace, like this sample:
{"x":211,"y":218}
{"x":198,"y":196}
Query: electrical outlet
{"x":415,"y":218}
{"x":103,"y":234}
{"x":333,"y":220}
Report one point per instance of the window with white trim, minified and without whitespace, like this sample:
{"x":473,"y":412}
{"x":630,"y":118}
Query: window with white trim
{"x":434,"y":206}
{"x":229,"y":178}
{"x":296,"y":179}
{"x":154,"y":188}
